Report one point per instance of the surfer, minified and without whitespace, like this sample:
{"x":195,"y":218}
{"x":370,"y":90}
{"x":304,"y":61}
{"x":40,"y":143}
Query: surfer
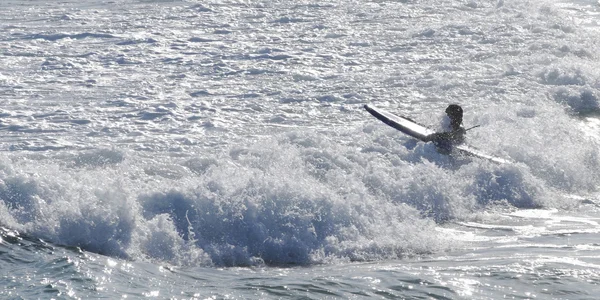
{"x":456,"y":135}
{"x":446,"y":142}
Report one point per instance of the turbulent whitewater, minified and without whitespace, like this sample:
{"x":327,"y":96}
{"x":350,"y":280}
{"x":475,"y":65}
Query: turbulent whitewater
{"x":192,"y":149}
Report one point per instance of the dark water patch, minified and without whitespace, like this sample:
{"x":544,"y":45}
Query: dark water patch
{"x":222,"y":31}
{"x":11,"y":52}
{"x":272,"y":290}
{"x":287,"y":100}
{"x":200,"y":165}
{"x":272,"y":57}
{"x":120,"y":103}
{"x":201,"y":93}
{"x":14,"y":128}
{"x":28,"y":243}
{"x":129,"y":96}
{"x":152,"y":115}
{"x":137,"y":41}
{"x":172,"y":60}
{"x":58,"y":64}
{"x":108,"y":234}
{"x":195,"y":118}
{"x":248,"y":96}
{"x":255,"y":71}
{"x":361,"y":44}
{"x":60,"y":36}
{"x":60,"y":267}
{"x":123,"y":60}
{"x":200,"y":40}
{"x":50,"y":271}
{"x":317,"y":292}
{"x":504,"y":185}
{"x":22,"y":196}
{"x":314,"y":5}
{"x":73,"y":121}
{"x":562,"y":77}
{"x":329,"y":98}
{"x":269,"y":50}
{"x":281,"y":230}
{"x":201,"y":8}
{"x":34,"y":148}
{"x":427,"y":33}
{"x":581,"y":101}
{"x":288,"y":20}
{"x":335,"y":35}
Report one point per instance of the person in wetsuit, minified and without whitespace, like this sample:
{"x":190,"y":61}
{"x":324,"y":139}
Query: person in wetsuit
{"x":445,"y":140}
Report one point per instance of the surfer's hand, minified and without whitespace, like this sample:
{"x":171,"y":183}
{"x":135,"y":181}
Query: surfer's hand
{"x":433,"y":137}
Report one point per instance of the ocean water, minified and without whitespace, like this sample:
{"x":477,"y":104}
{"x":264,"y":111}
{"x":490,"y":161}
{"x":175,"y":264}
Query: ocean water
{"x":219,"y":149}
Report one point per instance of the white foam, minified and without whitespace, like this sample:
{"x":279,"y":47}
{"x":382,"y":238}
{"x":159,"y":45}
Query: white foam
{"x":107,"y":147}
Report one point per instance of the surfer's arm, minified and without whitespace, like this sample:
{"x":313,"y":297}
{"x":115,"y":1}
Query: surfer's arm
{"x":435,"y":137}
{"x":453,"y":136}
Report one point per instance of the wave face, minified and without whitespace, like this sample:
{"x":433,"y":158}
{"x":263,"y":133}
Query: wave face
{"x":232,"y":133}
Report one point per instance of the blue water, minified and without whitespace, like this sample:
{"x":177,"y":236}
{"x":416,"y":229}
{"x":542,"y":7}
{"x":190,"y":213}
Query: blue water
{"x":186,"y":150}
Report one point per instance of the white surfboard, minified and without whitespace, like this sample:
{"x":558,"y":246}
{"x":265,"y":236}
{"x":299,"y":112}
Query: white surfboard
{"x":421,"y":132}
{"x":472,"y":151}
{"x":403,"y":124}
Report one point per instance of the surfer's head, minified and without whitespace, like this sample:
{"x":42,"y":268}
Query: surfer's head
{"x":455,"y":113}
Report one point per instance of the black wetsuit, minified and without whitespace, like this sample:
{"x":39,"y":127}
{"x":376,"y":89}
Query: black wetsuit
{"x":444,"y":141}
